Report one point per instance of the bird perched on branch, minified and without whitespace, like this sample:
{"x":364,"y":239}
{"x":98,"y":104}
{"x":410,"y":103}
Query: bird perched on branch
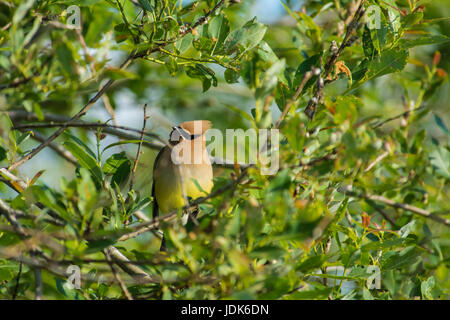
{"x":182,"y":171}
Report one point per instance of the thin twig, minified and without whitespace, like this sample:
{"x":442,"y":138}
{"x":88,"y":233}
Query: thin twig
{"x":419,"y":211}
{"x":310,"y":109}
{"x":49,"y":266}
{"x":200,"y":21}
{"x":90,"y":62}
{"x":157,"y":144}
{"x":117,"y":276}
{"x":82,"y":124}
{"x":16,"y":288}
{"x":406,"y":113}
{"x":286,"y":109}
{"x":9,"y":213}
{"x":18,"y":183}
{"x":38,"y":283}
{"x":22,"y":81}
{"x":55,"y":147}
{"x":378,"y":159}
{"x":381,"y":212}
{"x":133,"y":172}
{"x":132,"y":56}
{"x":64,"y":126}
{"x":137,"y":273}
{"x":155,"y":223}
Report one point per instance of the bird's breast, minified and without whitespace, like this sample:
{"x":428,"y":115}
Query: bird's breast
{"x":174,"y":183}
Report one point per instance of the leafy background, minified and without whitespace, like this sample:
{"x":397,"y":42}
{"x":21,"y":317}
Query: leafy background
{"x":363,"y":184}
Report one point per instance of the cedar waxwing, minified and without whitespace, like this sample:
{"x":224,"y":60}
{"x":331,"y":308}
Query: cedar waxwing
{"x":182,"y":169}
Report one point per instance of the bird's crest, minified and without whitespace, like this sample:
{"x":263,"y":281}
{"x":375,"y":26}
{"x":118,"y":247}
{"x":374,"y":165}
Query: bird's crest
{"x":197,"y":126}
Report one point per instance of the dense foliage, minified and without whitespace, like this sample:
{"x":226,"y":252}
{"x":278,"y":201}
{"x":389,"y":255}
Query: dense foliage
{"x":359,"y":208}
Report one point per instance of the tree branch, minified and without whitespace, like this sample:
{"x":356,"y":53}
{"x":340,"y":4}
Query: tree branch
{"x":419,"y":211}
{"x":131,"y":57}
{"x":114,"y":130}
{"x":117,"y":276}
{"x":310,"y":109}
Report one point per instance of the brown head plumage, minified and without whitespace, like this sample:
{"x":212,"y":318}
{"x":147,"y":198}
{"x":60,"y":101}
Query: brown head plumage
{"x":196,"y":126}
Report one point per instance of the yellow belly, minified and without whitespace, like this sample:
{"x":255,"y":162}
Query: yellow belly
{"x":172,"y":191}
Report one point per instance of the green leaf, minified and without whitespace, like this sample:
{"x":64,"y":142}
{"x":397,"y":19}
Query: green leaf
{"x":441,"y":124}
{"x":346,"y":108}
{"x":266,"y":53}
{"x":23,"y":137}
{"x":386,"y":244}
{"x":311,"y":263}
{"x":282,"y":181}
{"x":22,"y":10}
{"x":369,"y":49}
{"x":270,"y":79}
{"x":205,"y":74}
{"x":303,"y":19}
{"x":172,"y":66}
{"x":85,"y":159}
{"x":204,"y":44}
{"x":407,"y":229}
{"x":117,"y":74}
{"x":65,"y":58}
{"x":423,"y":40}
{"x":119,"y":166}
{"x":8,"y":270}
{"x":184,"y":43}
{"x":206,"y":84}
{"x":367,"y":295}
{"x":266,"y":252}
{"x":121,"y":32}
{"x":98,"y":245}
{"x":218,"y":28}
{"x":340,"y":213}
{"x":249,"y":36}
{"x":80,"y":143}
{"x":411,"y":19}
{"x":147,"y":5}
{"x":188,"y":8}
{"x":393,"y":17}
{"x":295,"y":132}
{"x":141,"y":205}
{"x":47,"y":198}
{"x":309,"y":294}
{"x":426,"y":287}
{"x":440,"y":159}
{"x":282,"y":95}
{"x":241,"y":112}
{"x":231,"y":76}
{"x":389,"y":61}
{"x":3,"y":155}
{"x":398,"y":260}
{"x":81,"y":3}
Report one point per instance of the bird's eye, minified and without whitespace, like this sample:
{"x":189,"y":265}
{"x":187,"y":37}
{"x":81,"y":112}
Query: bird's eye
{"x":179,"y":132}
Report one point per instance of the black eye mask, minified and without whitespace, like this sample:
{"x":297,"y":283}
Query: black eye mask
{"x":178,"y":132}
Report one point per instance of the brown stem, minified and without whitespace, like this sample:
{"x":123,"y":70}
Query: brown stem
{"x":310,"y":109}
